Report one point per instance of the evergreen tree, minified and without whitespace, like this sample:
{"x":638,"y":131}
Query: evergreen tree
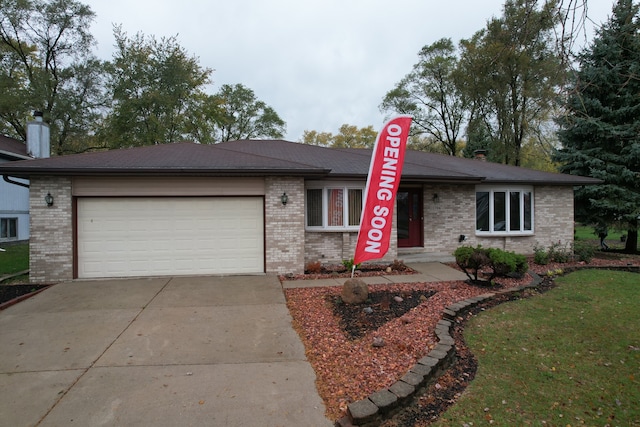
{"x":600,"y":133}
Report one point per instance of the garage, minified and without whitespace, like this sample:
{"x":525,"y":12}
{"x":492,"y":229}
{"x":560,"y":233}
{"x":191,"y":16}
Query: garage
{"x":162,"y":236}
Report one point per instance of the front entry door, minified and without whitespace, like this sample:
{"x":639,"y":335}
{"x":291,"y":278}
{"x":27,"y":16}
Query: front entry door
{"x":410,"y":225}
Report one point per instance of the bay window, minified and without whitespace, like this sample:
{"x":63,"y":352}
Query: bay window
{"x":333,"y":207}
{"x":504,"y":210}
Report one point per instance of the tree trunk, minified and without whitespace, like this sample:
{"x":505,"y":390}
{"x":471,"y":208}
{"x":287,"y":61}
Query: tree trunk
{"x":631,"y":245}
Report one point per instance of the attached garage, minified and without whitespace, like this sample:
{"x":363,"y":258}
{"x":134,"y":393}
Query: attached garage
{"x":160,"y":236}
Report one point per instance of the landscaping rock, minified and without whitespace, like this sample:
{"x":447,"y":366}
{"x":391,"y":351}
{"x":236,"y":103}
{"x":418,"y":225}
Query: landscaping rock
{"x":378,"y":342}
{"x":354,"y":291}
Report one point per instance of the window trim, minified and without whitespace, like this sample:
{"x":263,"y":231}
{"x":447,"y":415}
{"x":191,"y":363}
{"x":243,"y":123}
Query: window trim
{"x":8,"y":228}
{"x":325,"y":186}
{"x":507,"y":189}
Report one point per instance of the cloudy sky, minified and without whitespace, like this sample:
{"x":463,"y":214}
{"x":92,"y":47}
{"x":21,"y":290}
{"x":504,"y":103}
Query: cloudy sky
{"x":318,"y":63}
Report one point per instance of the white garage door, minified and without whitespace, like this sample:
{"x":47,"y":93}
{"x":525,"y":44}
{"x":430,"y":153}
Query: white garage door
{"x":125,"y":237}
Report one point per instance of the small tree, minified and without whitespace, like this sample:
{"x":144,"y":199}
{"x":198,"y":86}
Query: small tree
{"x":471,"y":260}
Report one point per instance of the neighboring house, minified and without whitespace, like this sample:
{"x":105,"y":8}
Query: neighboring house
{"x":14,"y":199}
{"x":257,"y":206}
{"x":14,"y":193}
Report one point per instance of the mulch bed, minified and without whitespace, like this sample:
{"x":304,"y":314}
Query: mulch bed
{"x":381,"y":307}
{"x":337,"y":271}
{"x":349,"y":367}
{"x":11,"y":292}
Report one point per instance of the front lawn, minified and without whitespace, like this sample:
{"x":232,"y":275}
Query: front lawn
{"x":570,"y":356}
{"x":14,"y":259}
{"x":586,"y":234}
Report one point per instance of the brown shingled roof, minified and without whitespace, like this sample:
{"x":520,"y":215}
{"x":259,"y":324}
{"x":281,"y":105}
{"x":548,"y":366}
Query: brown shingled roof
{"x":12,"y":148}
{"x":277,"y":157}
{"x":185,"y":158}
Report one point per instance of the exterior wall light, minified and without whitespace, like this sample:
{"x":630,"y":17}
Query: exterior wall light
{"x":284,"y":198}
{"x":435,"y":198}
{"x":48,"y":199}
{"x":462,"y":238}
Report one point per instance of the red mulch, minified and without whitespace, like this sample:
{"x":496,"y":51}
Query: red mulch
{"x":348,"y":370}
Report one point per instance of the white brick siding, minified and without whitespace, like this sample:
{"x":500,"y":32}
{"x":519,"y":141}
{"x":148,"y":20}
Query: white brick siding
{"x":284,"y":225}
{"x":51,"y":242}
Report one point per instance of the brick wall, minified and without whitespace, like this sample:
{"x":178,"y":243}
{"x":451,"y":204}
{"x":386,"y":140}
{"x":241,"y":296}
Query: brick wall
{"x":448,"y":216}
{"x":454,"y":214}
{"x":332,"y":247}
{"x":284,"y":225}
{"x":51,"y":242}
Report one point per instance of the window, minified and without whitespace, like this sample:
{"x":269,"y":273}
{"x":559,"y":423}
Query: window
{"x":8,"y":228}
{"x":333,"y":207}
{"x":501,"y":210}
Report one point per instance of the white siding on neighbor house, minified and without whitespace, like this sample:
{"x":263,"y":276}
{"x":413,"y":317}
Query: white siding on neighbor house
{"x":159,"y":236}
{"x":14,"y":203}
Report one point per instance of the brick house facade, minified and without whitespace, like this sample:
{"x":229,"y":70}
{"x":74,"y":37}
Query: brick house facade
{"x":264,"y":171}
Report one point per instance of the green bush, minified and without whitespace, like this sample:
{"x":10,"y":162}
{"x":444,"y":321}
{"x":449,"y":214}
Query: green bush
{"x":540,"y":255}
{"x":502,"y":263}
{"x":471,"y":260}
{"x":348,"y":264}
{"x":505,"y":263}
{"x":559,"y":253}
{"x":584,"y":251}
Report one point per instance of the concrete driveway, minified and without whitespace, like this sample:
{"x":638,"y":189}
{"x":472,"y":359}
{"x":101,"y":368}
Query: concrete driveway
{"x":196,"y":351}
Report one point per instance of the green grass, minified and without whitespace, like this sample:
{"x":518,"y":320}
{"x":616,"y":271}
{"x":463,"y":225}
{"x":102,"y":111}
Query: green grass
{"x":16,"y":258}
{"x":569,"y":357}
{"x":584,"y":232}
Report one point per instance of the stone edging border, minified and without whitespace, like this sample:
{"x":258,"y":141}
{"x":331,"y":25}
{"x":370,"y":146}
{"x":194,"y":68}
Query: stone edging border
{"x":380,"y":406}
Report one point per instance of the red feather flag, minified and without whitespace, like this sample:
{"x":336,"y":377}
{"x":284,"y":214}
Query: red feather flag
{"x":382,"y":185}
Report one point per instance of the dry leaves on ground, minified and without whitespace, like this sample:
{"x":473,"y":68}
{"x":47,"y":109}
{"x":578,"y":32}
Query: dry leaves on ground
{"x":347,"y":370}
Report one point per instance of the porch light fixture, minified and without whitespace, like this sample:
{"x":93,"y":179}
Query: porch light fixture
{"x":284,"y":199}
{"x":48,"y":199}
{"x":435,"y":198}
{"x":462,"y":238}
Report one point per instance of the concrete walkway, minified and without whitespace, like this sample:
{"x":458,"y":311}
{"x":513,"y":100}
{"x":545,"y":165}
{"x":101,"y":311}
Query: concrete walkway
{"x":196,"y":351}
{"x":427,"y":272}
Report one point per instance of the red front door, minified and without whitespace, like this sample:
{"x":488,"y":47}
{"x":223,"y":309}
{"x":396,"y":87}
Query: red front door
{"x":410,"y":225}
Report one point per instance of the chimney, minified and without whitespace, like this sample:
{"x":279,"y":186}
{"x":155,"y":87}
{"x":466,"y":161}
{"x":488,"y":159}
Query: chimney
{"x":480,"y":155}
{"x":38,"y":142}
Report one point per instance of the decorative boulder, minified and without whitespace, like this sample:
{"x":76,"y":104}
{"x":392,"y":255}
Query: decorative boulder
{"x":354,"y":291}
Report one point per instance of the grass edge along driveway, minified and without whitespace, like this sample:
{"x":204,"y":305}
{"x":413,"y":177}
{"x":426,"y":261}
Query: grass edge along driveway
{"x":568,"y":357}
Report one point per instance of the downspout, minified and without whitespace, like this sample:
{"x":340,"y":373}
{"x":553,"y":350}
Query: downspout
{"x":10,"y":181}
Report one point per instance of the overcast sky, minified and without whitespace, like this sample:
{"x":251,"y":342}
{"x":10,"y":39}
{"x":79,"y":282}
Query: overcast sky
{"x":318,"y":63}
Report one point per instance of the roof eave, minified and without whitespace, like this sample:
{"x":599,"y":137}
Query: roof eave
{"x":562,"y":183}
{"x":15,"y":156}
{"x":30,"y":172}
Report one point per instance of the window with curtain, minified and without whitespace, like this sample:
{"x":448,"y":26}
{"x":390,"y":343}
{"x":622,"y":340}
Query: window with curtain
{"x":334,"y":207}
{"x":504,"y":210}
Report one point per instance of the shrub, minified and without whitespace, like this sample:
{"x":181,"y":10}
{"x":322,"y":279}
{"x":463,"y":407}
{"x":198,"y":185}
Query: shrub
{"x":313,"y":267}
{"x":397,"y":265}
{"x":502,"y":263}
{"x":540,"y":255}
{"x":584,"y":251}
{"x":506,"y":263}
{"x":348,"y":264}
{"x":471,"y":260}
{"x":559,"y":252}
